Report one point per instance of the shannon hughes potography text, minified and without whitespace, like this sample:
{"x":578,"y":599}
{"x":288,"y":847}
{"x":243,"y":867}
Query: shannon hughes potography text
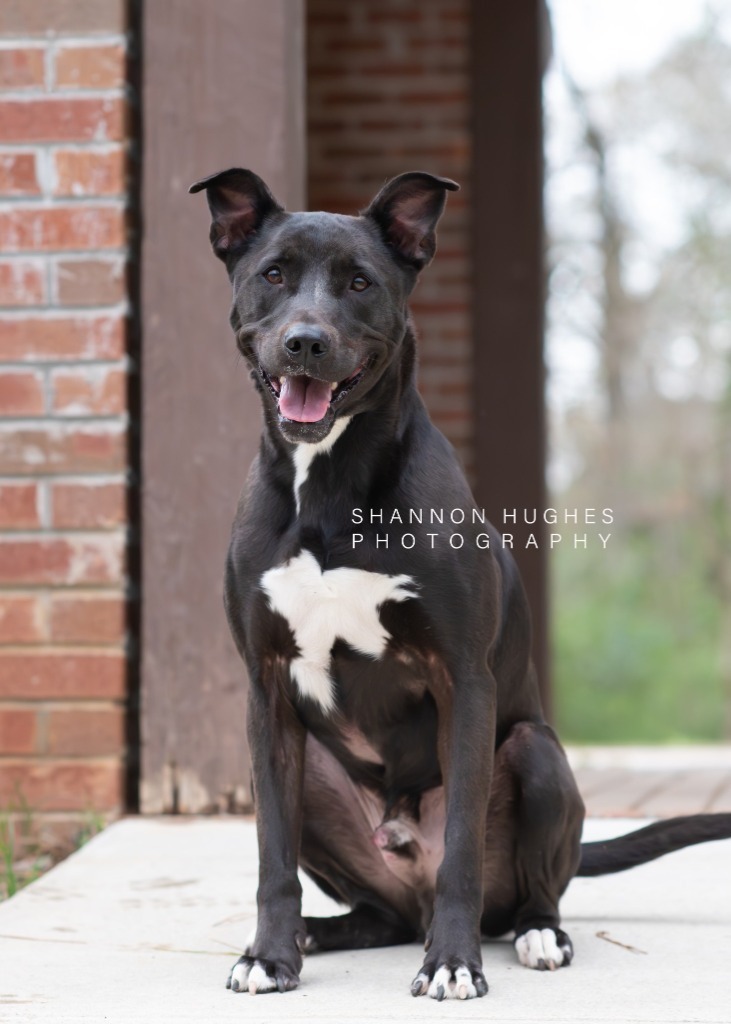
{"x":511,"y":535}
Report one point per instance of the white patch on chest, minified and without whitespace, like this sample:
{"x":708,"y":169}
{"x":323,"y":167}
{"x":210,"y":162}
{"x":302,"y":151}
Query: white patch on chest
{"x":303,"y":455}
{"x":322,"y":607}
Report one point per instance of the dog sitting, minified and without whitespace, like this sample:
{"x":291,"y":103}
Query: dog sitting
{"x":399,"y":750}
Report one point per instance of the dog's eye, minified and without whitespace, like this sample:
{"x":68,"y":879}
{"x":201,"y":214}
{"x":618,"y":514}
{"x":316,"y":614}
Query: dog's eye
{"x":359,"y":283}
{"x":273,"y":275}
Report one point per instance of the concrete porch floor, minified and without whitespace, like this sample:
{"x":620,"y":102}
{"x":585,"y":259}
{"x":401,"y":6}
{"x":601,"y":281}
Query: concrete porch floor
{"x":144,"y":922}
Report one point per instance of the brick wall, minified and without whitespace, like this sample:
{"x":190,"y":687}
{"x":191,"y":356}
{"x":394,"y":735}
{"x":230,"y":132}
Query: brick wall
{"x":63,"y":410}
{"x":388,"y":92}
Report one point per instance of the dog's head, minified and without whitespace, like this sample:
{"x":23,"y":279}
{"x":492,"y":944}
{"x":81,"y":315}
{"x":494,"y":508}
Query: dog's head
{"x":319,"y":299}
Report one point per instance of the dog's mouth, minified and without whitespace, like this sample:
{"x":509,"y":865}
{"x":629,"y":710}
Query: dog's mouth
{"x":305,"y":399}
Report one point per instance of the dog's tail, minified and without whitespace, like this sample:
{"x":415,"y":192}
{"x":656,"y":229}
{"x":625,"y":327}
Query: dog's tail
{"x":610,"y":855}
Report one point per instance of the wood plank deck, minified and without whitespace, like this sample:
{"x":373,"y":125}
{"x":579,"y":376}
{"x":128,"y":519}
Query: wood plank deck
{"x":646,"y":782}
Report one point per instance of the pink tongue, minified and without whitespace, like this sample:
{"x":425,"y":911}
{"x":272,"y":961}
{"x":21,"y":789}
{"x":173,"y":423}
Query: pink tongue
{"x":303,"y":399}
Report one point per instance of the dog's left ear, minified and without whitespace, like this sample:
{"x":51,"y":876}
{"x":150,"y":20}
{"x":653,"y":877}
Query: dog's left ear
{"x":239,"y":202}
{"x":407,"y":210}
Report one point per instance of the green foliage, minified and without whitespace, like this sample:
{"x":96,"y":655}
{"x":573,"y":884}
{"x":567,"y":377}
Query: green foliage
{"x":636,"y":642}
{"x":94,"y":823}
{"x":16,"y":873}
{"x":9,"y":878}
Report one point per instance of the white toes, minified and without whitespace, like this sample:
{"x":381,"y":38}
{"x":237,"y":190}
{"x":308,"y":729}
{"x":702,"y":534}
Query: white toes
{"x":463,"y":986}
{"x":553,"y":953}
{"x":440,"y":984}
{"x":259,"y":980}
{"x":240,"y":977}
{"x":444,"y":986}
{"x":419,"y":985}
{"x":539,"y":950}
{"x":255,"y":979}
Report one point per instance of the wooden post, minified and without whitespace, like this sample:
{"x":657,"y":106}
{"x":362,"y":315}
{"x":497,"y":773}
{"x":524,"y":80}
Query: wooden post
{"x":509,"y":46}
{"x":223,"y":86}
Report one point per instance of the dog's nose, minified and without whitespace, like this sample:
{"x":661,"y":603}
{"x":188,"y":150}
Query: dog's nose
{"x":304,"y":341}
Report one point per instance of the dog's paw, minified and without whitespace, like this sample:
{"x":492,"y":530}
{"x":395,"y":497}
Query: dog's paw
{"x":449,"y":982}
{"x":255,"y":974}
{"x":544,"y":949}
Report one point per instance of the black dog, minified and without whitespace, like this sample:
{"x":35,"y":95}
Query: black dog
{"x":400,"y":754}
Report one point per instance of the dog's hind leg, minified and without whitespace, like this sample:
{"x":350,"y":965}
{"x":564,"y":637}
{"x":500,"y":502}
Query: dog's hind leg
{"x":338,"y":852}
{"x":549,"y":815}
{"x":365,"y":927}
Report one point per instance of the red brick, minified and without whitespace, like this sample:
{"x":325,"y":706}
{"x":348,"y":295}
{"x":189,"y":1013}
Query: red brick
{"x":423,"y":307}
{"x":41,"y":17}
{"x":19,"y":506}
{"x":366,"y":44}
{"x":88,"y":392}
{"x":21,"y":619}
{"x":90,"y":282}
{"x":407,"y":15}
{"x":58,"y":833}
{"x":33,"y":229}
{"x":22,"y":68}
{"x":89,"y":173}
{"x":349,"y":97}
{"x":91,"y":619}
{"x":59,"y":338}
{"x":460,"y":388}
{"x":88,"y":506}
{"x":335,"y":18}
{"x":62,"y":786}
{"x":61,"y":448}
{"x":17,"y":731}
{"x":22,"y":283}
{"x":84,"y":733}
{"x":458,"y":13}
{"x":52,"y":119}
{"x":60,"y":560}
{"x":446,"y":41}
{"x":18,"y":174}
{"x":90,"y":67}
{"x":398,"y":68}
{"x":62,"y":675}
{"x":21,"y":394}
{"x":35,"y":561}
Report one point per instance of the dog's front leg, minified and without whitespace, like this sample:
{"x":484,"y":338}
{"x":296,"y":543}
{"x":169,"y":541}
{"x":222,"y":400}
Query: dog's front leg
{"x":277,"y":743}
{"x":453,"y":964}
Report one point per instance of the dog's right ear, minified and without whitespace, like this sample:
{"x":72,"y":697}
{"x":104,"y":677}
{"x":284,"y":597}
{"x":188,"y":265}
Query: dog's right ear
{"x":239,"y":202}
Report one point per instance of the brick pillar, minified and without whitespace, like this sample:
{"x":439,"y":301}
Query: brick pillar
{"x":388,"y":91}
{"x":63,"y":409}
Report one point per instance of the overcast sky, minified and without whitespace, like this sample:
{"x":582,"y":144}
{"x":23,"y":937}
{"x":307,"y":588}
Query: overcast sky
{"x":600,"y":39}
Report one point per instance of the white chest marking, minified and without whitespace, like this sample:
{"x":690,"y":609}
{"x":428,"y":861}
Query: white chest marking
{"x":322,"y":607}
{"x":305,"y":453}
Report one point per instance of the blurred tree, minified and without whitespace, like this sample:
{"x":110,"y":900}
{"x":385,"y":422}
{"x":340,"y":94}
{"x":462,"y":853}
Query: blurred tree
{"x":640,"y":270}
